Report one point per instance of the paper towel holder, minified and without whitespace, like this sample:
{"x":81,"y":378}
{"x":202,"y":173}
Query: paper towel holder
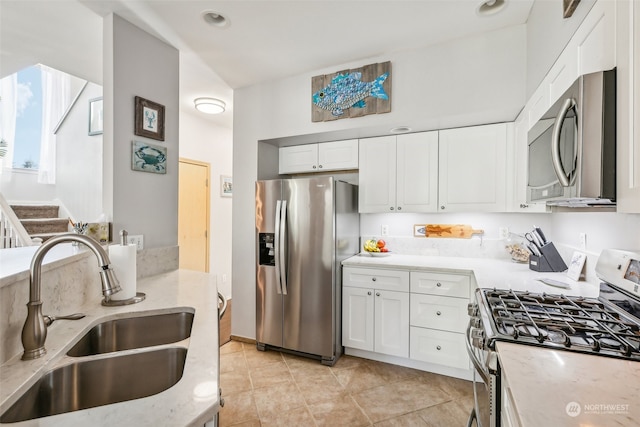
{"x":140,"y":296}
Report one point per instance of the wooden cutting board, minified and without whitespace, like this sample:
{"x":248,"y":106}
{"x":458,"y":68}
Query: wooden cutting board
{"x":460,"y":231}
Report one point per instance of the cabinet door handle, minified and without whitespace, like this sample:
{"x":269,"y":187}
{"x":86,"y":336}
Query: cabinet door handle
{"x":314,"y":166}
{"x":390,"y":208}
{"x":377,"y":294}
{"x":438,"y":348}
{"x":369,"y":293}
{"x":320,"y":166}
{"x":438,"y":284}
{"x":373,"y":279}
{"x":442,"y":207}
{"x":438,"y":313}
{"x":399,"y":208}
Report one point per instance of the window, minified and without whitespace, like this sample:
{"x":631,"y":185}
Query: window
{"x":28,"y":131}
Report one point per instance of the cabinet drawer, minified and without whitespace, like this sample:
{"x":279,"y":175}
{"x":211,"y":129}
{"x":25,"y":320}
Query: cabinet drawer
{"x":443,"y":348}
{"x":453,"y":285}
{"x":435,"y":312}
{"x":389,"y":280}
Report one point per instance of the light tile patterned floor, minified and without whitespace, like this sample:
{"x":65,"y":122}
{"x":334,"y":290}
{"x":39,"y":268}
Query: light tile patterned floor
{"x":278,"y":389}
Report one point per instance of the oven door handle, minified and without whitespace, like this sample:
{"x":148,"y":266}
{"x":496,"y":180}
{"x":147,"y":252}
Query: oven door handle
{"x":476,"y":363}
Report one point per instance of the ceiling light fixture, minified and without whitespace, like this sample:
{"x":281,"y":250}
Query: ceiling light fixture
{"x":210,"y":105}
{"x":215,"y":19}
{"x":490,"y":7}
{"x":400,"y":129}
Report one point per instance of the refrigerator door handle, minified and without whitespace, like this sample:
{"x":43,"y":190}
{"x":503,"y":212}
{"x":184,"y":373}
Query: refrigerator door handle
{"x":283,"y":248}
{"x":276,"y":244}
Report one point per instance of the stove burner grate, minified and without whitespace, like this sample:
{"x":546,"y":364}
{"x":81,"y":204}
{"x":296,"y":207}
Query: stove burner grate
{"x":574,"y":323}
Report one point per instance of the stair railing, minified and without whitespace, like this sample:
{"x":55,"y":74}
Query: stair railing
{"x":12,"y":232}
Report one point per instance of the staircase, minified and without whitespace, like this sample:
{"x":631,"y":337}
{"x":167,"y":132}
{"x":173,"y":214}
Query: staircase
{"x":41,"y":221}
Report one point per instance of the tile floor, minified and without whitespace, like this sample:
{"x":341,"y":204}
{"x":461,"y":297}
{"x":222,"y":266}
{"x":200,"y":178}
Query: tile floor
{"x":278,"y":389}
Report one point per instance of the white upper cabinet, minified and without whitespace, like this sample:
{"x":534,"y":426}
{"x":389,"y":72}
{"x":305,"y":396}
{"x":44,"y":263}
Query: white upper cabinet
{"x":399,"y":173}
{"x":417,"y":172}
{"x":377,"y":175}
{"x":326,"y":156}
{"x":473,"y":169}
{"x":628,"y":108}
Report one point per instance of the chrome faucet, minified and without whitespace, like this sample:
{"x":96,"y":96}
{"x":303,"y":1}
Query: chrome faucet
{"x":34,"y":332}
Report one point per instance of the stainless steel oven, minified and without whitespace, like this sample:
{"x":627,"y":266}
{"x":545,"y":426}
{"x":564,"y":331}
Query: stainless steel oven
{"x":607,"y":326}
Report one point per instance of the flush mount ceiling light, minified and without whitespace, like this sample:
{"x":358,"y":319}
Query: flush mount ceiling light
{"x":210,"y":105}
{"x":400,"y":129}
{"x":215,"y":19}
{"x":490,"y":7}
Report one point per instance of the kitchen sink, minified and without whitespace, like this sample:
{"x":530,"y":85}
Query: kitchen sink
{"x":134,"y":332}
{"x":91,"y":383}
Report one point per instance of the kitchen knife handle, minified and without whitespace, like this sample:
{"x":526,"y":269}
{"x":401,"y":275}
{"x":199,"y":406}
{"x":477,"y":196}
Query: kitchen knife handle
{"x":540,"y":234}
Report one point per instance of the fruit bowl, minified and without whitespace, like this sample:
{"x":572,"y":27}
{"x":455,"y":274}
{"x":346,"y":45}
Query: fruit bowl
{"x":375,"y":247}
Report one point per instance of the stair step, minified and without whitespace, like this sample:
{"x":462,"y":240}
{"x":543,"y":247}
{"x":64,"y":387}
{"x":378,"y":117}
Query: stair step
{"x":45,"y":225}
{"x":44,"y":236}
{"x":36,"y":211}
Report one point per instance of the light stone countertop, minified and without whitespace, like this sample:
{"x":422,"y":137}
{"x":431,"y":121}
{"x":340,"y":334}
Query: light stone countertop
{"x":192,"y":401}
{"x":543,"y":382}
{"x":488,"y":272}
{"x":549,"y":386}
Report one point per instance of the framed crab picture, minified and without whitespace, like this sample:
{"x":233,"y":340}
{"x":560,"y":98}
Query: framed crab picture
{"x":149,"y":119}
{"x":148,"y":157}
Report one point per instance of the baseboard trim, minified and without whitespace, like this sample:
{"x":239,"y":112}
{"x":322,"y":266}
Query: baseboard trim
{"x":243,"y":339}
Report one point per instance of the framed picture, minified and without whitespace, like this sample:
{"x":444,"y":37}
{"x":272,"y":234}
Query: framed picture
{"x":96,"y":120}
{"x":149,"y":119}
{"x":226,"y":186}
{"x":148,"y":157}
{"x":577,"y":264}
{"x":568,"y":7}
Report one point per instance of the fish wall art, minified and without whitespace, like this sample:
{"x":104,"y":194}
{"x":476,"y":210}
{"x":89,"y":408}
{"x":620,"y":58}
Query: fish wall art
{"x":351,"y":93}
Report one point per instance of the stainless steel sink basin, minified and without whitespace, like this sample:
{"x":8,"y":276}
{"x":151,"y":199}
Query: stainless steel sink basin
{"x":87,"y":384}
{"x":134,"y":332}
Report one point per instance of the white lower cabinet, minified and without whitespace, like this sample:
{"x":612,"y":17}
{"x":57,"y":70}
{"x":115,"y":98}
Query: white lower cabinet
{"x":418,"y":316}
{"x":375,"y":318}
{"x":443,"y":348}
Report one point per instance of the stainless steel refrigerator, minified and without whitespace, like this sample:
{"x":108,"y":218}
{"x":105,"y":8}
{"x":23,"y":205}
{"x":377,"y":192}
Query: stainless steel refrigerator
{"x":305,"y":227}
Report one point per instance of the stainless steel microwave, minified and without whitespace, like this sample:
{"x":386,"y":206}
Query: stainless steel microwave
{"x":572,"y":148}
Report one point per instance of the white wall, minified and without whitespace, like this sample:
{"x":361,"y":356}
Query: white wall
{"x":79,"y":157}
{"x":465,"y":82}
{"x":138,"y":64}
{"x":206,"y":142}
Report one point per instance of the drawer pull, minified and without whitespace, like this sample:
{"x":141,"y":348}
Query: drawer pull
{"x":369,"y":293}
{"x":438,"y":284}
{"x":438,"y":348}
{"x":377,"y":294}
{"x":373,"y":279}
{"x":438,"y":313}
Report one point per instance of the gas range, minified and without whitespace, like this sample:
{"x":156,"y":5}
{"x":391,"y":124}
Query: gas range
{"x":579,"y":324}
{"x":605,"y":326}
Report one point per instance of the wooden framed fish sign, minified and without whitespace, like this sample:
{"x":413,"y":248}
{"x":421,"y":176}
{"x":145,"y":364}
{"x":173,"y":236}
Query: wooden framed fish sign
{"x":351,"y":93}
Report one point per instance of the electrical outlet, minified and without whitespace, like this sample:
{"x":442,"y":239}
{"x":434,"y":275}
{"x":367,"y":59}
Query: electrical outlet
{"x":504,"y":233}
{"x":137,"y":240}
{"x":384,"y":230}
{"x":224,"y":278}
{"x":583,"y":241}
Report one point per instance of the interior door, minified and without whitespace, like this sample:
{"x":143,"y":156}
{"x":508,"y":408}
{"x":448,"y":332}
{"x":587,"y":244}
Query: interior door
{"x":193,"y":214}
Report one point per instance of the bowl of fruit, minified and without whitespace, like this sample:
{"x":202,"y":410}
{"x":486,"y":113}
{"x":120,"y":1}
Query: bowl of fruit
{"x":376,"y":247}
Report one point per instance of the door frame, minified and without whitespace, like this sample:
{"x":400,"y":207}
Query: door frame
{"x":207,"y":204}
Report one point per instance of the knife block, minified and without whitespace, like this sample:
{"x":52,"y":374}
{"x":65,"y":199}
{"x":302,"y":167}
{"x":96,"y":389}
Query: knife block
{"x":550,"y":260}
